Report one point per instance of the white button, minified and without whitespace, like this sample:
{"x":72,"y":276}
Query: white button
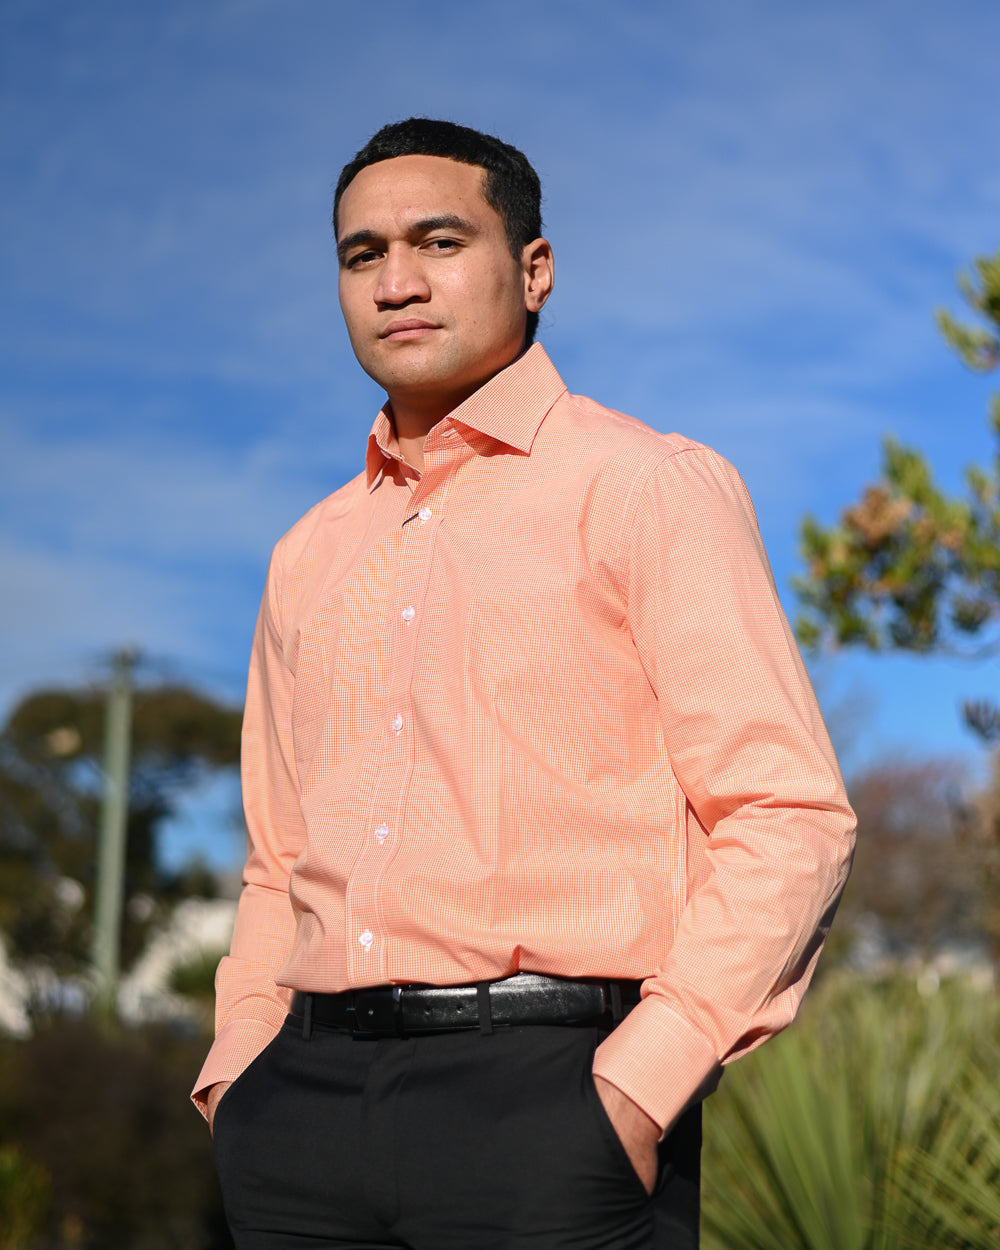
{"x":397,"y":723}
{"x":409,"y":613}
{"x":425,"y":514}
{"x":382,"y":832}
{"x":366,"y":939}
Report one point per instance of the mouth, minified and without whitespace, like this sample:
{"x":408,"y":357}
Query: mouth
{"x":407,"y":328}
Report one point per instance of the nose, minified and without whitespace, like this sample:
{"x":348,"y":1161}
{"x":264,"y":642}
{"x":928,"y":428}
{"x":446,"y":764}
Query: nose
{"x":401,"y":279}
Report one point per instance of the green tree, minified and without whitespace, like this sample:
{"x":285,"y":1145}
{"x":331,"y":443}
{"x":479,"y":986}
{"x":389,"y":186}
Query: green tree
{"x":908,"y":566}
{"x":50,"y":780}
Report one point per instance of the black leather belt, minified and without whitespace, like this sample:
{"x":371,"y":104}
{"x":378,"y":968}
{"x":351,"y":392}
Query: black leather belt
{"x":527,"y":998}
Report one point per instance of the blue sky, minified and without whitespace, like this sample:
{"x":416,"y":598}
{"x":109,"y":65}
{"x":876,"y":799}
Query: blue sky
{"x":755,"y":208}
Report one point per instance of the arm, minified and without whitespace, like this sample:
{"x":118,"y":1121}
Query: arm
{"x":770,"y":831}
{"x":250,"y":1007}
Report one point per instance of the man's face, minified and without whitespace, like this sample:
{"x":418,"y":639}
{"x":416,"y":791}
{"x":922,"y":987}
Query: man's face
{"x":434,"y":301}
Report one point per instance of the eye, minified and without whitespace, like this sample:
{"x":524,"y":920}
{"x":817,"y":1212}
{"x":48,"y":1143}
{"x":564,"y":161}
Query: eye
{"x":360,"y":259}
{"x":442,"y":245}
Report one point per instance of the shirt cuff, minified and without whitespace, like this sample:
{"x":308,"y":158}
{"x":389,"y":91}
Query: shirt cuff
{"x":659,"y":1060}
{"x":237,"y":1045}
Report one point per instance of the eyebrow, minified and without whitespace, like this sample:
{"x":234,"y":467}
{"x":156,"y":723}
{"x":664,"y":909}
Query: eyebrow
{"x":444,"y":221}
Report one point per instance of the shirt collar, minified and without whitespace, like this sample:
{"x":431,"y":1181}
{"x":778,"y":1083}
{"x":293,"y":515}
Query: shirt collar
{"x":508,"y":409}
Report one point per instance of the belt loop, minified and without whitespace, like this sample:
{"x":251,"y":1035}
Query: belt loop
{"x":307,"y":1018}
{"x":397,"y":1010}
{"x":485,"y":1010}
{"x":617,"y":1010}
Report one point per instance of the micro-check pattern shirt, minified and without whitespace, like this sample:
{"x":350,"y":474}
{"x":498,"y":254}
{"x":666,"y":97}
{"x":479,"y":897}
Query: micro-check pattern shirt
{"x":536,"y":708}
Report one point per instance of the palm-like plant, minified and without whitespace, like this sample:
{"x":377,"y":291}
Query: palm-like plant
{"x":874,"y":1124}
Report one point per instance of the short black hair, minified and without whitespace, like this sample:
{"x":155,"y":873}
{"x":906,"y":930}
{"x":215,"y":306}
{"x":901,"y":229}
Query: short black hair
{"x":510,"y":184}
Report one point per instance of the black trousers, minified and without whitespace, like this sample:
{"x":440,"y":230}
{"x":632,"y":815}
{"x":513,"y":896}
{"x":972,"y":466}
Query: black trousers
{"x":451,"y":1142}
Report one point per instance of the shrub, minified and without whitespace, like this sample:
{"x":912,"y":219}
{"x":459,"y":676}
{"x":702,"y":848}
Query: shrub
{"x":24,"y":1199}
{"x":106,"y":1115}
{"x":871,"y":1125}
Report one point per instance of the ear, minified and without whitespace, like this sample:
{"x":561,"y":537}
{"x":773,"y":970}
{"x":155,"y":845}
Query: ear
{"x":538,"y":266}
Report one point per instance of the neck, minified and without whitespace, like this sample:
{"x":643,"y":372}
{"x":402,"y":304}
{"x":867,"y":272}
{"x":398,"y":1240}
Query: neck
{"x":411,"y":448}
{"x":413,"y":419}
{"x":413,"y":423}
{"x":414,"y":415}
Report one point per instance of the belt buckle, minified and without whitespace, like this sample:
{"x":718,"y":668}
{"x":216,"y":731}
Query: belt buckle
{"x":376,"y":1014}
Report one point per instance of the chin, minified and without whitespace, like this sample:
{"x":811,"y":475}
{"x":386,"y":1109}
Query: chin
{"x":414,"y":376}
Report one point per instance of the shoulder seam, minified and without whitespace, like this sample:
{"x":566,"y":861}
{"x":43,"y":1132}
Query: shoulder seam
{"x":642,"y":481}
{"x":632,"y":507}
{"x":277,"y":565}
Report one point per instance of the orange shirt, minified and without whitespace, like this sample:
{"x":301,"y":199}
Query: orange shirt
{"x":536,"y":709}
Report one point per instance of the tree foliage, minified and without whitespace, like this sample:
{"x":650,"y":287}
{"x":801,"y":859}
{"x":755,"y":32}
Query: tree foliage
{"x":909,"y":566}
{"x":917,"y":884}
{"x":51,"y":751}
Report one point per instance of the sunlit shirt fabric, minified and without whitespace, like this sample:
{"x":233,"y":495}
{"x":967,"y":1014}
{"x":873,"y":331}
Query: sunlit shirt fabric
{"x":537,"y":708}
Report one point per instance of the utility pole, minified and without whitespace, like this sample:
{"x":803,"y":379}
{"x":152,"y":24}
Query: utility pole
{"x":114,"y":816}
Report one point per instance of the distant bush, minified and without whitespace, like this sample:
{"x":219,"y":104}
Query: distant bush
{"x":24,"y":1200}
{"x":196,"y":978}
{"x":873,"y":1124}
{"x":106,"y":1151}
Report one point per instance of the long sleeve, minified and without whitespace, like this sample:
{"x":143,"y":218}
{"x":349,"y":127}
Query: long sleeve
{"x":536,"y":710}
{"x":249,"y":1005}
{"x":770,"y":832}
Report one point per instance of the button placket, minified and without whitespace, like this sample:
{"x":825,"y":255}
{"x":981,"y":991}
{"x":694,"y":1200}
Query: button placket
{"x":372,"y":947}
{"x":413,"y":572}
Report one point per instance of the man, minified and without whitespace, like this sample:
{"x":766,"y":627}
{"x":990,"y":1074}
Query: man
{"x":527,"y":740}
